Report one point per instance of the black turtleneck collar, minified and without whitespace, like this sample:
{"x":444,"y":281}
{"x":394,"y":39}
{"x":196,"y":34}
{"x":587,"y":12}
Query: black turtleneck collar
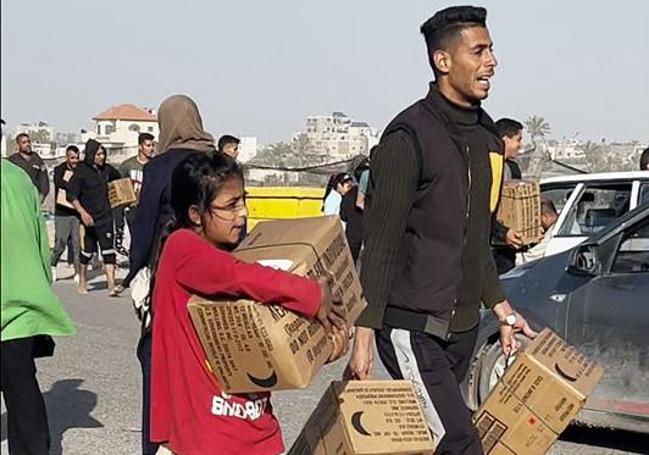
{"x":460,"y":115}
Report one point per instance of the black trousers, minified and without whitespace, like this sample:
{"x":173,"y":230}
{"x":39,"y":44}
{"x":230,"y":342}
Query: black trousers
{"x":27,"y":427}
{"x":436,"y":368}
{"x":144,"y":356}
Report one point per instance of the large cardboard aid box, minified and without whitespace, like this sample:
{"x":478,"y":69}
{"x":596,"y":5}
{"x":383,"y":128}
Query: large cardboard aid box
{"x":121,"y":192}
{"x":252,"y":347}
{"x":538,"y":396}
{"x":366,"y":418}
{"x":520,"y":209}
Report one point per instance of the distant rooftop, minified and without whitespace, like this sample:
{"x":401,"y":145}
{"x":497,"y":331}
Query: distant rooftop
{"x":126,"y":112}
{"x":360,"y":125}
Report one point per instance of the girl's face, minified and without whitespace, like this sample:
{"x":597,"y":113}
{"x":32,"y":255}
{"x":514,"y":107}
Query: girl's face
{"x":225,"y":219}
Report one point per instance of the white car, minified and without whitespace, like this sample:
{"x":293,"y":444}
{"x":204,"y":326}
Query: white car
{"x":587,"y":203}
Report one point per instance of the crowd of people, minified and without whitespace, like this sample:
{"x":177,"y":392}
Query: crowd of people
{"x":419,"y":214}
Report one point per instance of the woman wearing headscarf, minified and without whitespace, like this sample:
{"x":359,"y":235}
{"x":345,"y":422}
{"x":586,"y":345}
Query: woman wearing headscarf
{"x":181,"y":134}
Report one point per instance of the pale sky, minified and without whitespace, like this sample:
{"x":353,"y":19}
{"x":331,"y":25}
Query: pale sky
{"x":258,"y":68}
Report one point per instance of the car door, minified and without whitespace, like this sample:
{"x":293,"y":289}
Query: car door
{"x":608,"y":320}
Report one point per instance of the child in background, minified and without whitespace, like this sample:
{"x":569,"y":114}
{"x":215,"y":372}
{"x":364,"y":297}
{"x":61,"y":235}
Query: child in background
{"x":187,"y":408}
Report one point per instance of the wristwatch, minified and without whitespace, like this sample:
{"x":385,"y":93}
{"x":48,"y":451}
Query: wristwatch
{"x":510,"y":320}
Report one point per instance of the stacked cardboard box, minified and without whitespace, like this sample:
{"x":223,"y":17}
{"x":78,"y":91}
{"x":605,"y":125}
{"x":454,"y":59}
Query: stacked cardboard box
{"x":537,"y":397}
{"x":366,"y":417}
{"x":252,"y":347}
{"x":520,"y":209}
{"x":121,"y":192}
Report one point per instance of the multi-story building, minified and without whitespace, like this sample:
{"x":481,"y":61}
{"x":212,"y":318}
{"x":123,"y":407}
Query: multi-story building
{"x":118,"y":128}
{"x":247,"y":148}
{"x":339,"y":136}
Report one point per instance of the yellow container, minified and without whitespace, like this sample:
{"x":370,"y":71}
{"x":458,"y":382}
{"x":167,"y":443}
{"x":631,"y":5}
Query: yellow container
{"x":276,"y":202}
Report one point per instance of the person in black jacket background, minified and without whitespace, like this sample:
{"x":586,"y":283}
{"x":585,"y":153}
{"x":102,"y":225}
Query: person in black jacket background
{"x":505,"y":241}
{"x":29,"y":161}
{"x":88,"y":194}
{"x":66,"y":218}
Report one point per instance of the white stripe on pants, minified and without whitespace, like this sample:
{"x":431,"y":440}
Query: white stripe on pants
{"x":410,"y":371}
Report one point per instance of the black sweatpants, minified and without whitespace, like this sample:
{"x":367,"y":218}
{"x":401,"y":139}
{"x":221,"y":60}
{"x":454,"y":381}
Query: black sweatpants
{"x":144,"y":356}
{"x":27,"y":428}
{"x":436,"y":368}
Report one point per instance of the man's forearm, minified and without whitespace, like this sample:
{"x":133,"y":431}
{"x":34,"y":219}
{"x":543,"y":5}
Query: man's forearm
{"x":78,"y":207}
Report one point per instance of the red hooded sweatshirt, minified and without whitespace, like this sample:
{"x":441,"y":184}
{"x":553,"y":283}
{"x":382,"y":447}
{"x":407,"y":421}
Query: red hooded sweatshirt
{"x":189,"y":412}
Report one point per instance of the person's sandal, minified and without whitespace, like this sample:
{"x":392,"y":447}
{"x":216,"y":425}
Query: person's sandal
{"x":117,"y":290}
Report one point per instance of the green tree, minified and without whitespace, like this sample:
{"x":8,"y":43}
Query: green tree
{"x":537,"y":127}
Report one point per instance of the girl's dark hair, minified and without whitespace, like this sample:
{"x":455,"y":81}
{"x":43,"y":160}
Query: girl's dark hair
{"x":333,"y":182}
{"x":197,"y":180}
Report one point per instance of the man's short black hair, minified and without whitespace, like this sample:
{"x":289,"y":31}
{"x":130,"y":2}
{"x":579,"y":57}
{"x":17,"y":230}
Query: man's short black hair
{"x":144,"y":137}
{"x":508,"y":127}
{"x":72,"y":148}
{"x":644,"y":160}
{"x":21,"y":135}
{"x":441,"y":29}
{"x":226,"y":139}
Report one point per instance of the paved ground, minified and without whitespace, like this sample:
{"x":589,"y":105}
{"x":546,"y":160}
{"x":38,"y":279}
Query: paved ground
{"x":92,"y":387}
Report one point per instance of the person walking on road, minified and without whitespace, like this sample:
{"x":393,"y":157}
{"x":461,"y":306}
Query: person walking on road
{"x":88,"y":194}
{"x":133,"y":169}
{"x":31,"y":313}
{"x":507,"y":242}
{"x":32,"y":164}
{"x":181,"y":135}
{"x":66,"y":218}
{"x":427,"y":262}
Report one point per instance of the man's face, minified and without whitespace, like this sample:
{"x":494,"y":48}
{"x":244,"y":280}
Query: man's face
{"x":72,"y":158}
{"x":100,"y":157}
{"x":24,"y":145}
{"x":470,"y":64}
{"x":232,"y":150}
{"x":146,"y":148}
{"x":513,"y":144}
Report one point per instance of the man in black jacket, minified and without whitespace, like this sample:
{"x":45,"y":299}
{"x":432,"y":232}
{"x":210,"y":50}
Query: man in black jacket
{"x":506,"y":242}
{"x":427,"y":263}
{"x":66,"y":218}
{"x":88,"y":194}
{"x":32,"y":164}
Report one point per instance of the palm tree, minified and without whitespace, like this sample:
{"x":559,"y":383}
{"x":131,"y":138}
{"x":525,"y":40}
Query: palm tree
{"x":537,"y":128}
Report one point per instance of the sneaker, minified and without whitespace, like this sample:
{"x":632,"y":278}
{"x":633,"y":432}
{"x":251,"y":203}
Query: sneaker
{"x":76,"y":278}
{"x":53,"y":274}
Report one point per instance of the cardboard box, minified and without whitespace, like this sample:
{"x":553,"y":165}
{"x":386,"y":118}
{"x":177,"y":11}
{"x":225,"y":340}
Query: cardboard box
{"x":368,"y":418}
{"x":537,"y":397}
{"x":520,"y":209}
{"x":252,"y":347}
{"x":121,"y":192}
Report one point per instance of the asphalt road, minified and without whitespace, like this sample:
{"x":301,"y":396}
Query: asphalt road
{"x":92,"y":387}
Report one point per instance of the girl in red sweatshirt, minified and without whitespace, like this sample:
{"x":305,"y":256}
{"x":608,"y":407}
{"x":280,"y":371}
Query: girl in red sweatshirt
{"x":189,"y":412}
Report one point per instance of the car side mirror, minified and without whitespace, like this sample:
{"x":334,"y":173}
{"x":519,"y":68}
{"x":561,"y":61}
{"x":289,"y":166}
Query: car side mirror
{"x":584,"y":260}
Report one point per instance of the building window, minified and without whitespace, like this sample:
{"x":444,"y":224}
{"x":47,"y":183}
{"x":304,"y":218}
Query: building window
{"x":99,"y":130}
{"x":134,"y":127}
{"x":150,"y":129}
{"x":109,"y":129}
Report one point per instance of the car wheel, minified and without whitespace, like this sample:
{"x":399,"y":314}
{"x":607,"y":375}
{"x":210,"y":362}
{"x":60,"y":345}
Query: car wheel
{"x":493,"y":365}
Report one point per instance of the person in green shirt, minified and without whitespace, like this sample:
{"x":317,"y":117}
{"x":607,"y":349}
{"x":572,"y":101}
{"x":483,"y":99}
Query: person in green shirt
{"x":31,"y":312}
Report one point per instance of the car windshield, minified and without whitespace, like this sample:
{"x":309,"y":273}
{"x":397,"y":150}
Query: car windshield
{"x":597,"y":207}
